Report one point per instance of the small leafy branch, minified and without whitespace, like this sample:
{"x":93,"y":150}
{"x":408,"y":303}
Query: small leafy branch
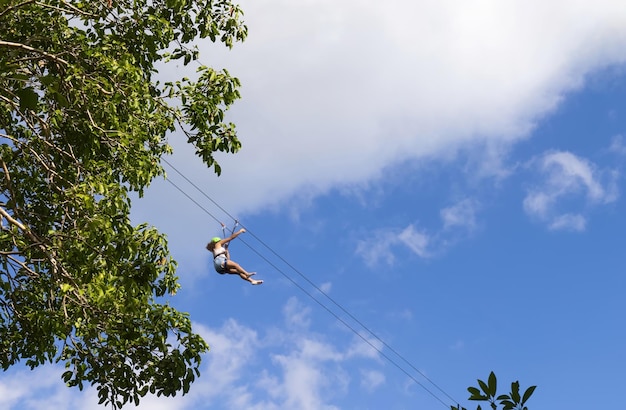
{"x":487,"y":392}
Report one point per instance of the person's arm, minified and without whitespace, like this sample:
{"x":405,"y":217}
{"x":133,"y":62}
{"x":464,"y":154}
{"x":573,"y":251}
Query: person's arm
{"x":231,"y":237}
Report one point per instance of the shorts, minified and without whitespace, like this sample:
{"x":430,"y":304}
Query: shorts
{"x":220,"y":264}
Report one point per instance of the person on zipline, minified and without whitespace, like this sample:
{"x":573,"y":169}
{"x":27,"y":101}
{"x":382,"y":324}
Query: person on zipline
{"x":221,"y":258}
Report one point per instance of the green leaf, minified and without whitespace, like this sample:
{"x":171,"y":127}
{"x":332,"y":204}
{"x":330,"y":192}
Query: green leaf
{"x":515,"y":392}
{"x":508,"y":404}
{"x":527,"y":394}
{"x":66,"y":287}
{"x":28,"y":98}
{"x":473,"y":391}
{"x":493,"y":384}
{"x":484,"y":387}
{"x":67,"y":376}
{"x":476,"y":394}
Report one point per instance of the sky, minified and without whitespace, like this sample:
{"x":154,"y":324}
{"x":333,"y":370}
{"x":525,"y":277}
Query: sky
{"x":432,"y":190}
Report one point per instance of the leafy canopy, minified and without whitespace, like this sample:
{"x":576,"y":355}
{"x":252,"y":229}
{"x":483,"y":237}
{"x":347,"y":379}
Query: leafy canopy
{"x":82,"y":123}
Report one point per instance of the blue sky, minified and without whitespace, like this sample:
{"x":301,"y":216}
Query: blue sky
{"x":450,"y":174}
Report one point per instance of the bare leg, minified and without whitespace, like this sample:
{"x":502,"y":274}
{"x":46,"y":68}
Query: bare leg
{"x":236,"y":269}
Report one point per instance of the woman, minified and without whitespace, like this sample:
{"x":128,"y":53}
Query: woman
{"x":221,"y":258}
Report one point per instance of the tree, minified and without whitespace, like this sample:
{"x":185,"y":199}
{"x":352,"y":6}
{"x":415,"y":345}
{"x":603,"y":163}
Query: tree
{"x":83,"y":122}
{"x":487,"y":392}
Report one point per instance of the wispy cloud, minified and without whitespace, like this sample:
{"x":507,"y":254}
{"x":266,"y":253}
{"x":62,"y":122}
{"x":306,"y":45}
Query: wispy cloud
{"x":326,"y":287}
{"x":233,"y":346}
{"x":569,"y":222}
{"x":303,"y":378}
{"x":296,"y":314}
{"x":365,"y":346}
{"x":460,"y":215}
{"x":380,"y":247}
{"x":416,"y":240}
{"x":617,"y":145}
{"x":42,"y":389}
{"x":312,"y":369}
{"x":308,"y":370}
{"x":372,"y":379}
{"x":377,"y":247}
{"x":567,"y":177}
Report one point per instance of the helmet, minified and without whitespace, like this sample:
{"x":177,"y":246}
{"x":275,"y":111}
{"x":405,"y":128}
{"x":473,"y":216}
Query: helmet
{"x":216,"y":239}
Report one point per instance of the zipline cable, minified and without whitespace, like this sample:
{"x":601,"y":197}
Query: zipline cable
{"x":301,"y":275}
{"x":391,"y":349}
{"x":341,"y":320}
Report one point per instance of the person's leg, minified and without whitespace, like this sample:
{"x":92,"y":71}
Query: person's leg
{"x":236,"y":269}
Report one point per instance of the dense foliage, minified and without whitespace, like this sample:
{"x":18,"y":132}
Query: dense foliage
{"x":82,"y":123}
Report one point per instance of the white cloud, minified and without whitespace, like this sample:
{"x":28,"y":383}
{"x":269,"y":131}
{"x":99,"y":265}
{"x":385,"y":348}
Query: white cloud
{"x":377,"y":248}
{"x":296,"y":314}
{"x":417,"y":241}
{"x":304,"y":381}
{"x":569,"y":222}
{"x":365,"y":346}
{"x":11,"y":391}
{"x":617,"y":145}
{"x":333,"y":92}
{"x":380,"y":247}
{"x":462,"y":214}
{"x":326,"y":287}
{"x":538,"y":203}
{"x":309,"y":370}
{"x":565,"y":176}
{"x":313,"y":369}
{"x":42,"y":389}
{"x":372,"y":379}
{"x":232,"y":347}
{"x":567,"y":173}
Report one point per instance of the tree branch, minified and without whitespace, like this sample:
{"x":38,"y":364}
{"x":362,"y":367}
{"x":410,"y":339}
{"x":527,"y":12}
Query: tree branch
{"x":15,"y":222}
{"x":34,"y":50}
{"x":17,"y":6}
{"x":70,"y":7}
{"x":23,"y":265}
